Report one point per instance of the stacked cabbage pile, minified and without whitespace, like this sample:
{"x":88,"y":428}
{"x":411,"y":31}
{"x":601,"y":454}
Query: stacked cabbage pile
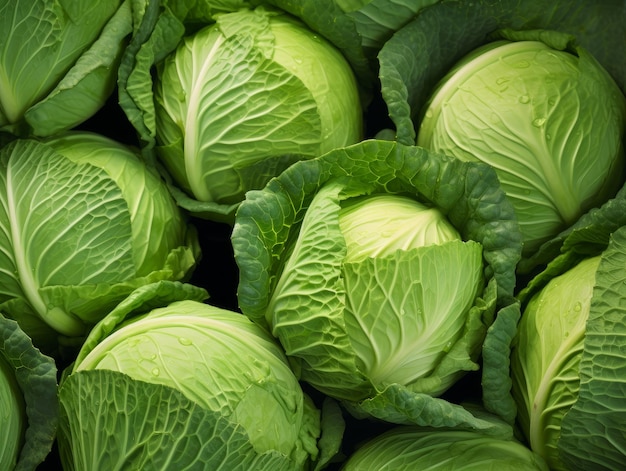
{"x":327,"y":234}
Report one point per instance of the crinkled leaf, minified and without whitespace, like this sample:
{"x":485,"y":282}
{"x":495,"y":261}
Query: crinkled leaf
{"x":399,"y":405}
{"x":468,"y":193}
{"x":587,"y":236}
{"x":496,"y":378}
{"x":333,"y":427}
{"x":592,"y":430}
{"x":157,"y":30}
{"x":36,"y":375}
{"x":108,"y":421}
{"x":394,"y":306}
{"x":313,"y":284}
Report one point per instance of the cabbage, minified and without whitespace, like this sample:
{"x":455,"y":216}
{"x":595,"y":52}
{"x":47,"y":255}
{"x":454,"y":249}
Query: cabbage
{"x":550,"y":122}
{"x":395,"y":327}
{"x":83,"y":222}
{"x":379,"y":267}
{"x":241,"y":99}
{"x":208,"y":386}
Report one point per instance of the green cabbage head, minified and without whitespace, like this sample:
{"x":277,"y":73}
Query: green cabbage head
{"x":220,"y":361}
{"x":241,"y":99}
{"x":83,"y":222}
{"x":410,"y":448}
{"x":551,"y":122}
{"x":359,"y":305}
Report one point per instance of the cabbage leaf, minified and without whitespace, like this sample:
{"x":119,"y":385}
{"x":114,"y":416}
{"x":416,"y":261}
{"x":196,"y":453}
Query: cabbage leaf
{"x":36,"y":376}
{"x":121,"y":422}
{"x":598,"y":415}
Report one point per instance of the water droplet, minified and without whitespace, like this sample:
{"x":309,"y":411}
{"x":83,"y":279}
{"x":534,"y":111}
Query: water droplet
{"x":524,"y":99}
{"x":548,"y":136}
{"x":155,"y":372}
{"x":524,"y":64}
{"x":538,"y":122}
{"x":577,"y":307}
{"x":429,"y":113}
{"x":503,"y":83}
{"x":184,"y":341}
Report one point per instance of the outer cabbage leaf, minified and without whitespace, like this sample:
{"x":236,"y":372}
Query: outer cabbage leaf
{"x":109,"y":420}
{"x":377,"y":20}
{"x":408,"y":448}
{"x":592,"y":432}
{"x":496,"y":363}
{"x":389,"y":324}
{"x":587,"y":236}
{"x":36,"y":376}
{"x":77,"y":43}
